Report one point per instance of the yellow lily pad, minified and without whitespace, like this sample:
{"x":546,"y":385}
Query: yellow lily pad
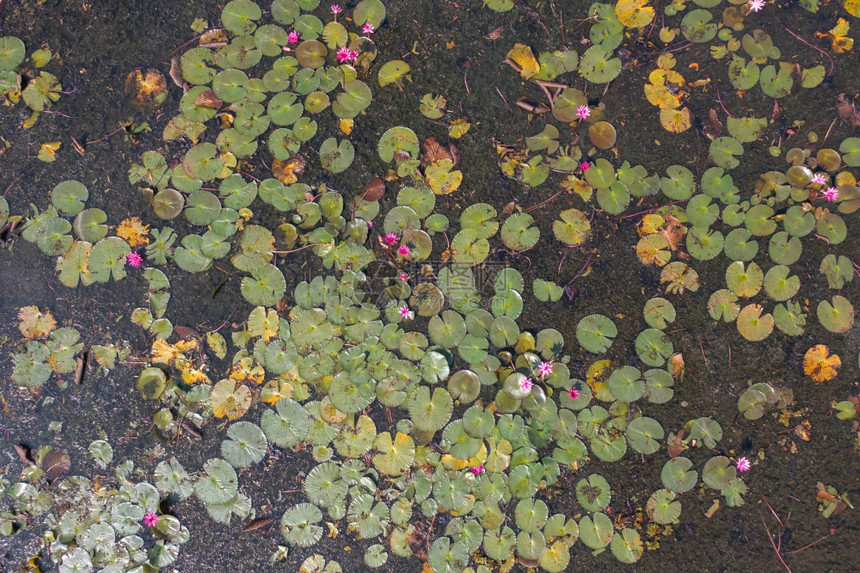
{"x":819,"y":364}
{"x":522,"y":55}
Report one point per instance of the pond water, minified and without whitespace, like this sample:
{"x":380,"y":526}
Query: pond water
{"x":698,"y":237}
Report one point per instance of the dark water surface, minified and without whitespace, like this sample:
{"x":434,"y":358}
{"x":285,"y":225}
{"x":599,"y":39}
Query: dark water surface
{"x":100,"y":42}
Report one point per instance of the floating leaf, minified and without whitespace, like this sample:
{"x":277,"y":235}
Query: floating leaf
{"x":573,"y":228}
{"x":246,"y":446}
{"x":596,"y":530}
{"x":595,"y":333}
{"x":228,"y":399}
{"x":836,"y":316}
{"x":627,"y":547}
{"x":299,"y":525}
{"x":219,"y":484}
{"x":718,"y":472}
{"x":394,"y":72}
{"x":12,"y":52}
{"x":753,"y":325}
{"x":662,"y":507}
{"x":677,"y":475}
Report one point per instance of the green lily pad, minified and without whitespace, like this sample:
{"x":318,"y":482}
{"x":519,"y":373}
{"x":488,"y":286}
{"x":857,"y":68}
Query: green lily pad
{"x":12,"y":52}
{"x":593,"y":493}
{"x":723,"y":151}
{"x":777,"y":83}
{"x":469,"y":248}
{"x":832,"y":228}
{"x":698,"y":26}
{"x":89,"y":225}
{"x":336,"y":157}
{"x":838,"y":271}
{"x":396,"y":139}
{"x":789,"y":318}
{"x":784,"y":249}
{"x":744,"y":281}
{"x":653,"y":348}
{"x":265,"y":287}
{"x":545,"y":290}
{"x":627,"y":546}
{"x":663,"y":507}
{"x":287,"y":424}
{"x":836,"y":316}
{"x":573,"y":228}
{"x":299,"y":525}
{"x":69,"y":197}
{"x":595,"y":333}
{"x":394,"y":72}
{"x":752,"y":324}
{"x":598,"y":66}
{"x":677,"y":475}
{"x":739,"y":246}
{"x":644,"y":435}
{"x":679,"y":183}
{"x":704,"y":244}
{"x":430,"y":414}
{"x":626,"y":384}
{"x":743,"y":75}
{"x":779,"y":285}
{"x":596,"y":530}
{"x":718,"y":471}
{"x":246,"y":445}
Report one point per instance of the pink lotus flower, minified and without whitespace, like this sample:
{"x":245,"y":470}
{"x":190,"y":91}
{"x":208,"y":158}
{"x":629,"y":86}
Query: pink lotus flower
{"x":756,"y":5}
{"x":336,"y":9}
{"x":831,"y":193}
{"x":150,"y":519}
{"x":404,"y":250}
{"x":584,"y":165}
{"x":390,"y":238}
{"x":583,"y":111}
{"x":404,"y":277}
{"x":573,"y":393}
{"x":544,"y":369}
{"x":367,"y":29}
{"x":293,"y":37}
{"x":819,"y":179}
{"x":526,"y":385}
{"x":343,"y":55}
{"x":478,"y":470}
{"x":405,"y":313}
{"x":134,"y":259}
{"x":743,"y":464}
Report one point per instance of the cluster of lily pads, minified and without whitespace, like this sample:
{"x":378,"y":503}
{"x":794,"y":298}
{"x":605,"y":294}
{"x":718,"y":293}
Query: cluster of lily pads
{"x":20,"y":81}
{"x":438,"y":426}
{"x":112,"y":523}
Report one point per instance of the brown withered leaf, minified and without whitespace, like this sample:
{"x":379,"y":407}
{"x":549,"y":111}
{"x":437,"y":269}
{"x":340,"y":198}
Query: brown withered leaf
{"x":209,"y":100}
{"x":677,"y":447}
{"x":677,"y":364}
{"x":186,"y":332}
{"x":374,"y":190}
{"x":286,"y":170}
{"x":56,"y":463}
{"x":23,"y":451}
{"x":215,"y":35}
{"x":432,"y":150}
{"x":847,"y":110}
{"x":674,"y":232}
{"x":262,"y":525}
{"x":176,"y":74}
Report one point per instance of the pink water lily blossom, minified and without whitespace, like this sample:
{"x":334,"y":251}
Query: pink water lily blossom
{"x":584,"y":165}
{"x":406,"y":313}
{"x":293,"y":37}
{"x":831,"y":193}
{"x":150,"y":519}
{"x":583,"y":111}
{"x":390,"y":238}
{"x":544,"y":369}
{"x":343,"y":55}
{"x":134,"y":259}
{"x":404,"y":277}
{"x":404,"y":250}
{"x":336,"y":9}
{"x":756,"y":5}
{"x":477,"y":470}
{"x":573,"y":393}
{"x":367,"y":29}
{"x":819,"y":179}
{"x":353,"y":55}
{"x":743,"y":465}
{"x":526,"y":385}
